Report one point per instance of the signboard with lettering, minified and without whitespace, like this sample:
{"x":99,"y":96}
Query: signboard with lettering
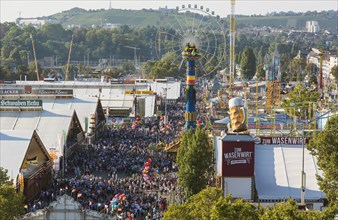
{"x":11,"y":91}
{"x":53,"y":91}
{"x":238,"y":159}
{"x":20,"y":103}
{"x":29,"y":90}
{"x":284,"y":140}
{"x":138,"y":92}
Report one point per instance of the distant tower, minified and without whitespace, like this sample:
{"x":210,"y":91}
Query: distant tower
{"x":190,"y":54}
{"x":110,"y":5}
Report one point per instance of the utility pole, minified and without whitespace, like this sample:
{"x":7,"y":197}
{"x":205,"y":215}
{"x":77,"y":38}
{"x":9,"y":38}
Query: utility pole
{"x":135,"y":56}
{"x":302,"y":194}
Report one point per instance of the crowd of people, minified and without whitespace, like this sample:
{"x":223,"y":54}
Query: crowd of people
{"x":108,"y":176}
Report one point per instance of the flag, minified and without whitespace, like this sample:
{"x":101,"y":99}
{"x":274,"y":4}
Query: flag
{"x":86,"y":124}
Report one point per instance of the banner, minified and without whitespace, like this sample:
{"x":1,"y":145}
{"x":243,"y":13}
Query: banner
{"x":86,"y":124}
{"x":284,"y":140}
{"x":21,"y":103}
{"x":238,"y":159}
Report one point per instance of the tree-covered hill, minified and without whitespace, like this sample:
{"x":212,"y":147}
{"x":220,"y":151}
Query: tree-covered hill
{"x":148,"y":17}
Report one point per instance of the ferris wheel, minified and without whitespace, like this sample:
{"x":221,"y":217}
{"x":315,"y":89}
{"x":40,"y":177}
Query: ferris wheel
{"x":195,"y":25}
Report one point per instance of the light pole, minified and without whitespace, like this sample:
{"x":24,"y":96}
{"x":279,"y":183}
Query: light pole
{"x":165,"y":104}
{"x":302,"y":194}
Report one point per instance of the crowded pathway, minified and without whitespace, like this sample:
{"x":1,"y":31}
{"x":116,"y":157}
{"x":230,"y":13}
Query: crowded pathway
{"x":120,"y":174}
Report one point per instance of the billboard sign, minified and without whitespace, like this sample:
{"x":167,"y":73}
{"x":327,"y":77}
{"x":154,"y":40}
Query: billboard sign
{"x":238,"y":159}
{"x":21,"y":103}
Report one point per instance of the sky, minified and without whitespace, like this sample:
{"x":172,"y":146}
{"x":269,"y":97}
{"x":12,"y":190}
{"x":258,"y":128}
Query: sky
{"x":11,"y":9}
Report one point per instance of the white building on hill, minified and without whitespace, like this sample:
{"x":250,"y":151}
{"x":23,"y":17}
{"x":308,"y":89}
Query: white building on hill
{"x":312,"y":26}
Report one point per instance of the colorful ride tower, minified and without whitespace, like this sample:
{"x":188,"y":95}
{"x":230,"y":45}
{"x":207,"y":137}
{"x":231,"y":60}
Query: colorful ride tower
{"x":190,"y":54}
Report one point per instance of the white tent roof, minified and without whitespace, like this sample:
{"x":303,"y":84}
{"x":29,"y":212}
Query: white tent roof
{"x":49,"y":125}
{"x":13,"y":147}
{"x":173,"y":89}
{"x":84,"y":105}
{"x":278,"y":172}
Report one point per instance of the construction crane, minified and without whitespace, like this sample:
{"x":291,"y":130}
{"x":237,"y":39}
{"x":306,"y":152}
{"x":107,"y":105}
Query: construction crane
{"x":320,"y":54}
{"x":70,"y":52}
{"x":36,"y":63}
{"x":135,"y":56}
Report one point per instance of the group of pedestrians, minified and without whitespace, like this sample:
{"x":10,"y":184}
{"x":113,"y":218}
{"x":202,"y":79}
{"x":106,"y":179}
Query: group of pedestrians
{"x":107,"y":175}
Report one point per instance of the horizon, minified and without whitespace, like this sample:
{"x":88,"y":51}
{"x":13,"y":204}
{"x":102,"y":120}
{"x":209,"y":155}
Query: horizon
{"x":13,"y":9}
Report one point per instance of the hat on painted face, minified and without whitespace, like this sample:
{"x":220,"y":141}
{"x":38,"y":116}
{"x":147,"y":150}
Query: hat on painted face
{"x":236,"y":102}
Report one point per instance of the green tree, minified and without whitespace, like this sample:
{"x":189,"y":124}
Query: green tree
{"x":260,"y":57}
{"x":297,"y":66}
{"x":227,"y":208}
{"x":260,"y":72}
{"x":128,"y":66}
{"x":164,"y":67}
{"x":211,"y":204}
{"x":288,"y":211}
{"x":311,"y":70}
{"x":195,"y":161}
{"x":325,"y":148}
{"x":248,"y":63}
{"x":11,"y":202}
{"x":298,"y":101}
{"x":32,"y":71}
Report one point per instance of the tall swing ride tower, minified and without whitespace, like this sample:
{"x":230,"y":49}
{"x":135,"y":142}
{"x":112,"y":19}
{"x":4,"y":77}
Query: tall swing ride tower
{"x":190,"y":55}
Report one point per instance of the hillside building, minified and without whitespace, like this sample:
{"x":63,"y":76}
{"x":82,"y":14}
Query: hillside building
{"x":312,"y":26}
{"x":34,"y":22}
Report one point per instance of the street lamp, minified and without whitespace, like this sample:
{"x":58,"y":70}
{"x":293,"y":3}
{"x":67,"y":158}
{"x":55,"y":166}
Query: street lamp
{"x":165,"y":104}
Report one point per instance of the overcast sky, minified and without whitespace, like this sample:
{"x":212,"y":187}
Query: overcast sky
{"x":10,"y":9}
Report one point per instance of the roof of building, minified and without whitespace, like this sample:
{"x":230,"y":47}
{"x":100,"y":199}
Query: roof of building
{"x":49,"y":124}
{"x":278,"y":172}
{"x":13,"y":148}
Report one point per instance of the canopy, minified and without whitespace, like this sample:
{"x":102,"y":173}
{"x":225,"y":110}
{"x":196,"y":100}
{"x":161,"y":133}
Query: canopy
{"x":223,"y":121}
